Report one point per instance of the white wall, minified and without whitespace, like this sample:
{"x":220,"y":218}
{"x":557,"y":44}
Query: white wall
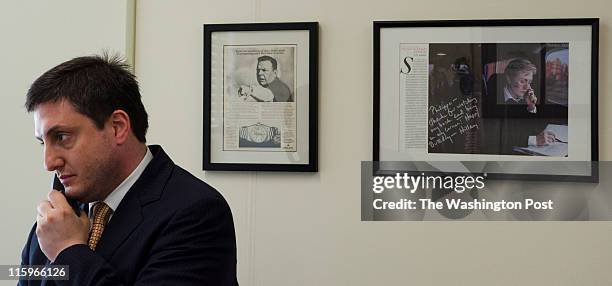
{"x":37,"y":35}
{"x":305,"y":229}
{"x":294,"y":229}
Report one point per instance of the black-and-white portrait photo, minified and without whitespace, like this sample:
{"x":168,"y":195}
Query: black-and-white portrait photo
{"x":260,"y":73}
{"x":260,"y":90}
{"x":259,"y":110}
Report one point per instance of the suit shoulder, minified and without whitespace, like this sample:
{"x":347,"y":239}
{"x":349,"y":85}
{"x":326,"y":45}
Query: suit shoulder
{"x":187,"y":189}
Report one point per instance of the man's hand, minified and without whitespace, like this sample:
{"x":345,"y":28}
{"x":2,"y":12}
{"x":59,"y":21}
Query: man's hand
{"x":545,"y":137}
{"x":58,"y":227}
{"x":245,"y":91}
{"x":531,"y":100}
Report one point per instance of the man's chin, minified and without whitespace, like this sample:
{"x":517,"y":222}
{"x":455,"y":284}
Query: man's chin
{"x":75,"y":194}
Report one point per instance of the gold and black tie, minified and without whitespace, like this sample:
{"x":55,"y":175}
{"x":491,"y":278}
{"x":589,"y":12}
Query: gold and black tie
{"x":101,"y":214}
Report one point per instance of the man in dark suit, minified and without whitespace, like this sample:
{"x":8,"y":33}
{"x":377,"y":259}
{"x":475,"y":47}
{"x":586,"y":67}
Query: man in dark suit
{"x":150,"y":222}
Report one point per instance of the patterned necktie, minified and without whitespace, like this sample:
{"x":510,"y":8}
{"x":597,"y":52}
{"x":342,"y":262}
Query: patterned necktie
{"x":101,"y":214}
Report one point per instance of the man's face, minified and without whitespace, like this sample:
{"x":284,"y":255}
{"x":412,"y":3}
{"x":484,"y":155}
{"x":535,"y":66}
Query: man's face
{"x":76,"y":150}
{"x":265,"y":73}
{"x":520,"y":84}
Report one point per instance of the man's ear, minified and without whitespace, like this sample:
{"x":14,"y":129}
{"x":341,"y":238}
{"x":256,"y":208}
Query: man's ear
{"x":119,"y":121}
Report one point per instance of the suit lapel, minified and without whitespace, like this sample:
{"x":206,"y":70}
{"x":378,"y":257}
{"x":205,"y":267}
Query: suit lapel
{"x":123,"y":222}
{"x":148,"y":188}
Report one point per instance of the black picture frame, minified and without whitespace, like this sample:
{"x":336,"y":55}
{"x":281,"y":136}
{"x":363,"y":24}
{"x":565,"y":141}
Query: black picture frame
{"x":490,"y":107}
{"x":297,"y":43}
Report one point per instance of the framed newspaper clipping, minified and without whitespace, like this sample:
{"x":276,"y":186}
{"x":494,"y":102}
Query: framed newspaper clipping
{"x":521,"y":90}
{"x":260,"y":97}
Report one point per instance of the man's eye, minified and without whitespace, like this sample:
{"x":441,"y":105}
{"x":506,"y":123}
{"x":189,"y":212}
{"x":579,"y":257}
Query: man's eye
{"x":61,"y":137}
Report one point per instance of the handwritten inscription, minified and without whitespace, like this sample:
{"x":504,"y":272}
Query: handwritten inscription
{"x":449,"y":119}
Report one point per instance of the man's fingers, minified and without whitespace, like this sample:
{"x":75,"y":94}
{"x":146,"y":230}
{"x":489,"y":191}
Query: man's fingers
{"x":58,"y":200}
{"x":43,"y":208}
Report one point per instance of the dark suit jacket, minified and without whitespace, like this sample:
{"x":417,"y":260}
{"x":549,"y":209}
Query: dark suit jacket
{"x":169,"y":229}
{"x":281,"y":91}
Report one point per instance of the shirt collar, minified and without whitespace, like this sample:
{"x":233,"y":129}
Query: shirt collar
{"x":115,"y":197}
{"x":508,"y":96}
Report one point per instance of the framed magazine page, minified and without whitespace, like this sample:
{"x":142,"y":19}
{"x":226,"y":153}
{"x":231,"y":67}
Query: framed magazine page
{"x":260,"y":97}
{"x":504,"y":91}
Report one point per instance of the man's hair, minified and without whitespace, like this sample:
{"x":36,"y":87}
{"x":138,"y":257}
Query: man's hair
{"x":96,"y":86}
{"x":270,"y":59}
{"x":518,"y":65}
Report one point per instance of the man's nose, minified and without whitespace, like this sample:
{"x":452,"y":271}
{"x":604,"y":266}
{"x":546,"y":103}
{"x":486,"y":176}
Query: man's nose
{"x":53,"y":160}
